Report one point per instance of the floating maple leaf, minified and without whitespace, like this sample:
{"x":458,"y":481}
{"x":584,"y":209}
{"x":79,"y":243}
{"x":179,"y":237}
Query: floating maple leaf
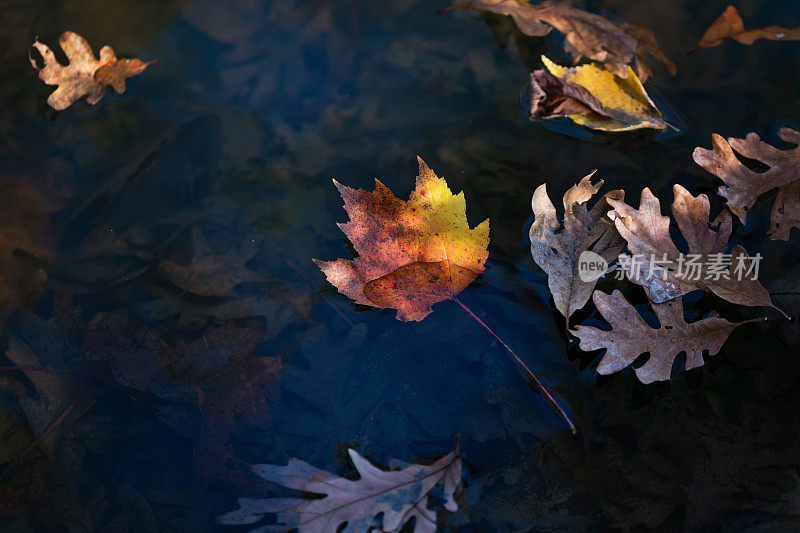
{"x":729,"y":25}
{"x":411,"y":254}
{"x":556,"y":245}
{"x":84,"y":75}
{"x":665,"y":272}
{"x":631,"y":336}
{"x":593,"y":97}
{"x":743,"y":186}
{"x":209,"y":274}
{"x":616,"y":45}
{"x":398,"y":496}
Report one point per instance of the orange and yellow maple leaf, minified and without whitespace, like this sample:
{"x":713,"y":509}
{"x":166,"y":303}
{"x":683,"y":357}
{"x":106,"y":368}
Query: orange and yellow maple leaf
{"x":411,"y":254}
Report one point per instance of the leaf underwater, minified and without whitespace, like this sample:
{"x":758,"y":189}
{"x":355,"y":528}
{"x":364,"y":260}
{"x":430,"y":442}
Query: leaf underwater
{"x":84,"y":75}
{"x":593,"y":97}
{"x":646,"y":231}
{"x":631,"y":336}
{"x":586,"y":35}
{"x":743,"y":186}
{"x":399,"y":495}
{"x":411,"y":254}
{"x":729,"y":25}
{"x":556,"y":245}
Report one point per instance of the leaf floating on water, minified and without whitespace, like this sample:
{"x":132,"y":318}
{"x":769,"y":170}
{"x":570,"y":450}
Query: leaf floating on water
{"x":558,"y":246}
{"x":729,"y":25}
{"x":743,"y":186}
{"x":411,"y":254}
{"x":665,"y":272}
{"x":631,"y":336}
{"x":593,"y":97}
{"x":84,"y":75}
{"x":399,"y":496}
{"x":587,"y":35}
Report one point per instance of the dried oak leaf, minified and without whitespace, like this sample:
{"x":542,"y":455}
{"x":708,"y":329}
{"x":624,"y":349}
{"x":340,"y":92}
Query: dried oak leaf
{"x":616,"y":45}
{"x":244,"y":390}
{"x":593,"y":97}
{"x":411,"y":254}
{"x":631,"y":336}
{"x":730,"y":25}
{"x":557,"y":245}
{"x":212,"y":275}
{"x":665,"y":272}
{"x":84,"y":75}
{"x":398,"y":496}
{"x":743,"y":186}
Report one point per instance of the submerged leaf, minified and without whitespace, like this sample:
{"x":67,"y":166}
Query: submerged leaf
{"x":399,"y":496}
{"x":587,"y":35}
{"x":730,"y":25}
{"x":665,"y":272}
{"x":631,"y":336}
{"x":557,"y":246}
{"x":593,"y":97}
{"x":743,"y":186}
{"x":411,"y":254}
{"x":84,"y":75}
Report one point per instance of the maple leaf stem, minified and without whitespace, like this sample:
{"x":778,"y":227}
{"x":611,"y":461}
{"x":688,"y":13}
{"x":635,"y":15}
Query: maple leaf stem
{"x":521,"y":363}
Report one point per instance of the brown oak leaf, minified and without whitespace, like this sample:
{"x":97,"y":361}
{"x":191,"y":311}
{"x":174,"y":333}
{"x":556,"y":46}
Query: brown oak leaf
{"x":729,"y":25}
{"x":84,"y":75}
{"x":743,"y":186}
{"x":631,"y":336}
{"x":379,"y":501}
{"x":209,"y":274}
{"x":588,"y":35}
{"x":558,"y":246}
{"x":665,"y":272}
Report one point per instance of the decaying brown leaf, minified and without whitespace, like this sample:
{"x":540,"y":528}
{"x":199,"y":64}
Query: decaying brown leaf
{"x":631,"y":336}
{"x":209,"y":274}
{"x":379,"y":501}
{"x":557,"y":245}
{"x":665,"y":272}
{"x":616,"y":45}
{"x":593,"y":97}
{"x":84,"y":75}
{"x":743,"y":186}
{"x":730,"y":25}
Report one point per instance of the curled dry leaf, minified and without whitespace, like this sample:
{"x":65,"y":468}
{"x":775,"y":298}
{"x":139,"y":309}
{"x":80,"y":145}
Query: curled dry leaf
{"x":557,"y":245}
{"x":743,"y":186}
{"x":665,"y":272}
{"x":631,"y":336}
{"x":398,"y":496}
{"x":84,"y":75}
{"x":593,"y":97}
{"x":411,"y":254}
{"x":729,"y":25}
{"x":587,"y":35}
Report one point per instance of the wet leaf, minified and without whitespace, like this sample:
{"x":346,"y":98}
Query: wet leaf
{"x":631,"y":336}
{"x":593,"y":97}
{"x":557,"y":245}
{"x":743,"y":186}
{"x":616,"y":45}
{"x":411,"y":254}
{"x":245,"y":387}
{"x":665,"y":272}
{"x":399,"y":496}
{"x":729,"y":25}
{"x":84,"y":75}
{"x":210,"y":274}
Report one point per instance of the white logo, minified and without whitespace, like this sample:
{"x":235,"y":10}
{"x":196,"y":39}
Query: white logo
{"x":591,"y":266}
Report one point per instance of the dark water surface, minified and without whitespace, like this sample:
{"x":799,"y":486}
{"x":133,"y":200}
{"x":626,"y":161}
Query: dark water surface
{"x":228,"y":146}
